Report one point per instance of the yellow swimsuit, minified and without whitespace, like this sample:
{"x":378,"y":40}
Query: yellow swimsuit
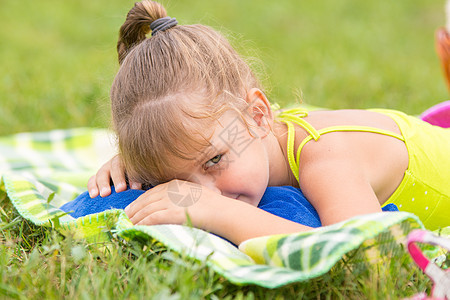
{"x":425,"y":188}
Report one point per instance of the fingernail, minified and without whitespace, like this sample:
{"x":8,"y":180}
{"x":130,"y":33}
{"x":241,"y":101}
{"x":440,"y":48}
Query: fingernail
{"x":93,"y":193}
{"x":104,"y":191}
{"x":134,"y":186}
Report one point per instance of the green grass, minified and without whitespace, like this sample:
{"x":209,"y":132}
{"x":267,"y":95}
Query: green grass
{"x":36,"y":262}
{"x":58,"y":57}
{"x":58,"y":61}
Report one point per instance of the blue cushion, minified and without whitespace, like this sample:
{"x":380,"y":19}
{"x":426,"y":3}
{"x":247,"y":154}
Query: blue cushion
{"x":284,"y":201}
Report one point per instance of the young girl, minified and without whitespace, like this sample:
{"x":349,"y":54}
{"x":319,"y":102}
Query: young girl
{"x":190,"y":116}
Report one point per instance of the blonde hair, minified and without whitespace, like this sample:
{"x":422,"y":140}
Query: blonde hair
{"x":161,"y":81}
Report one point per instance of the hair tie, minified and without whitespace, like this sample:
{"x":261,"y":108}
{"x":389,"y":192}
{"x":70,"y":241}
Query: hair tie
{"x":162,"y":24}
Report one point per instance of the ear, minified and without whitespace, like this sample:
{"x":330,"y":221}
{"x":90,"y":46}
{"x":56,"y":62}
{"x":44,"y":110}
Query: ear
{"x":259,"y":110}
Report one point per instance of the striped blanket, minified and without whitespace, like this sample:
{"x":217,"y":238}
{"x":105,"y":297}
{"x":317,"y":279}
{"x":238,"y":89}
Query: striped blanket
{"x":42,"y":171}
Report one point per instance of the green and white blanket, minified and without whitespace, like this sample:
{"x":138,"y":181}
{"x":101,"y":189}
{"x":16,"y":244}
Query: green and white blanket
{"x":42,"y":171}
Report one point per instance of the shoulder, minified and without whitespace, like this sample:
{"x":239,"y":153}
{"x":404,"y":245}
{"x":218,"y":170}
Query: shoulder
{"x":335,"y":149}
{"x":333,"y":159}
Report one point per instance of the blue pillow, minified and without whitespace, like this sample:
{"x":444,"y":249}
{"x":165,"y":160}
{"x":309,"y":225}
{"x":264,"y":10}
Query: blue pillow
{"x":284,"y":201}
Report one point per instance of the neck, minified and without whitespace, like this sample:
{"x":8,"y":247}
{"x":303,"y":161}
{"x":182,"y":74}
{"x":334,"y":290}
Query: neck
{"x":279,"y":171}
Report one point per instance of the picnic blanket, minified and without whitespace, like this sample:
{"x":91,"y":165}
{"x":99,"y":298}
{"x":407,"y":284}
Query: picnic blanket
{"x":42,"y":171}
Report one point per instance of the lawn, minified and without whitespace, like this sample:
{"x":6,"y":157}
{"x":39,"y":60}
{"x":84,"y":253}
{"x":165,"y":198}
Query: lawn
{"x":58,"y":60}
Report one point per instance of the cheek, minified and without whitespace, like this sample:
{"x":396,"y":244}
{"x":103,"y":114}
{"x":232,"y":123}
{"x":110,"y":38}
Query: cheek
{"x":255,"y":160}
{"x":250,"y":171}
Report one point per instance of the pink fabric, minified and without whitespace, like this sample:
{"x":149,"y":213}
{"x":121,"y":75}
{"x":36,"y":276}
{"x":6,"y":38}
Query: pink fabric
{"x":419,"y":258}
{"x":441,"y":278}
{"x":438,"y":115}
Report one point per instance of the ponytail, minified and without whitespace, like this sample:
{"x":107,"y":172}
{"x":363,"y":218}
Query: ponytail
{"x":137,"y":25}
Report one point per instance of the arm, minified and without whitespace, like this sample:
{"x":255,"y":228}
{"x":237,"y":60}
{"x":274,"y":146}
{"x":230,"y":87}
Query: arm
{"x":240,"y":221}
{"x":232,"y":219}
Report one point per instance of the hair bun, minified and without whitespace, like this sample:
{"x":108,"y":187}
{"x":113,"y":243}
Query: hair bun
{"x":136,"y":26}
{"x":162,"y":24}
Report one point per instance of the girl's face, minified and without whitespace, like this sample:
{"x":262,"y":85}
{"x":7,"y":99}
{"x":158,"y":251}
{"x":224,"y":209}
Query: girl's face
{"x":236,"y":163}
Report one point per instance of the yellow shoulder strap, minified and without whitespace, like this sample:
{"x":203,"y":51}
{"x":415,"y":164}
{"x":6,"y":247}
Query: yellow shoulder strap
{"x":296,"y":116}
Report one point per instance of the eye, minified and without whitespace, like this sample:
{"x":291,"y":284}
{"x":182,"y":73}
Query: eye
{"x":213,"y":161}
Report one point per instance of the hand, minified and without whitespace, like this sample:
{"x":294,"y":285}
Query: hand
{"x":169,"y":203}
{"x":232,"y":219}
{"x":112,"y":170}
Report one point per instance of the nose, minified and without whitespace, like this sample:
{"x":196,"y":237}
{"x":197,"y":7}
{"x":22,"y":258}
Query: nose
{"x":217,"y":186}
{"x":209,"y":182}
{"x":205,"y":180}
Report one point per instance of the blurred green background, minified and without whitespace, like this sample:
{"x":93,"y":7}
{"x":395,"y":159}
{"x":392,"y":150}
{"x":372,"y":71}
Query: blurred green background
{"x":58,"y":58}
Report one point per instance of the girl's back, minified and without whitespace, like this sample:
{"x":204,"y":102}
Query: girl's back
{"x":384,"y":158}
{"x":402,"y":159}
{"x":352,"y":147}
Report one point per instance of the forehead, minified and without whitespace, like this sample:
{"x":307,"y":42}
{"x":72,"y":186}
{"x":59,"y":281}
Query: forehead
{"x":228,"y":129}
{"x":207,"y":137}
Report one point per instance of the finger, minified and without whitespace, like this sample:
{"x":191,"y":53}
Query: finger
{"x":138,"y":204}
{"x":92,"y":187}
{"x":153,"y":219}
{"x":103,"y":181}
{"x":162,"y":217}
{"x":118,"y":174}
{"x":153,"y":195}
{"x":147,"y":210}
{"x":135,"y":185}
